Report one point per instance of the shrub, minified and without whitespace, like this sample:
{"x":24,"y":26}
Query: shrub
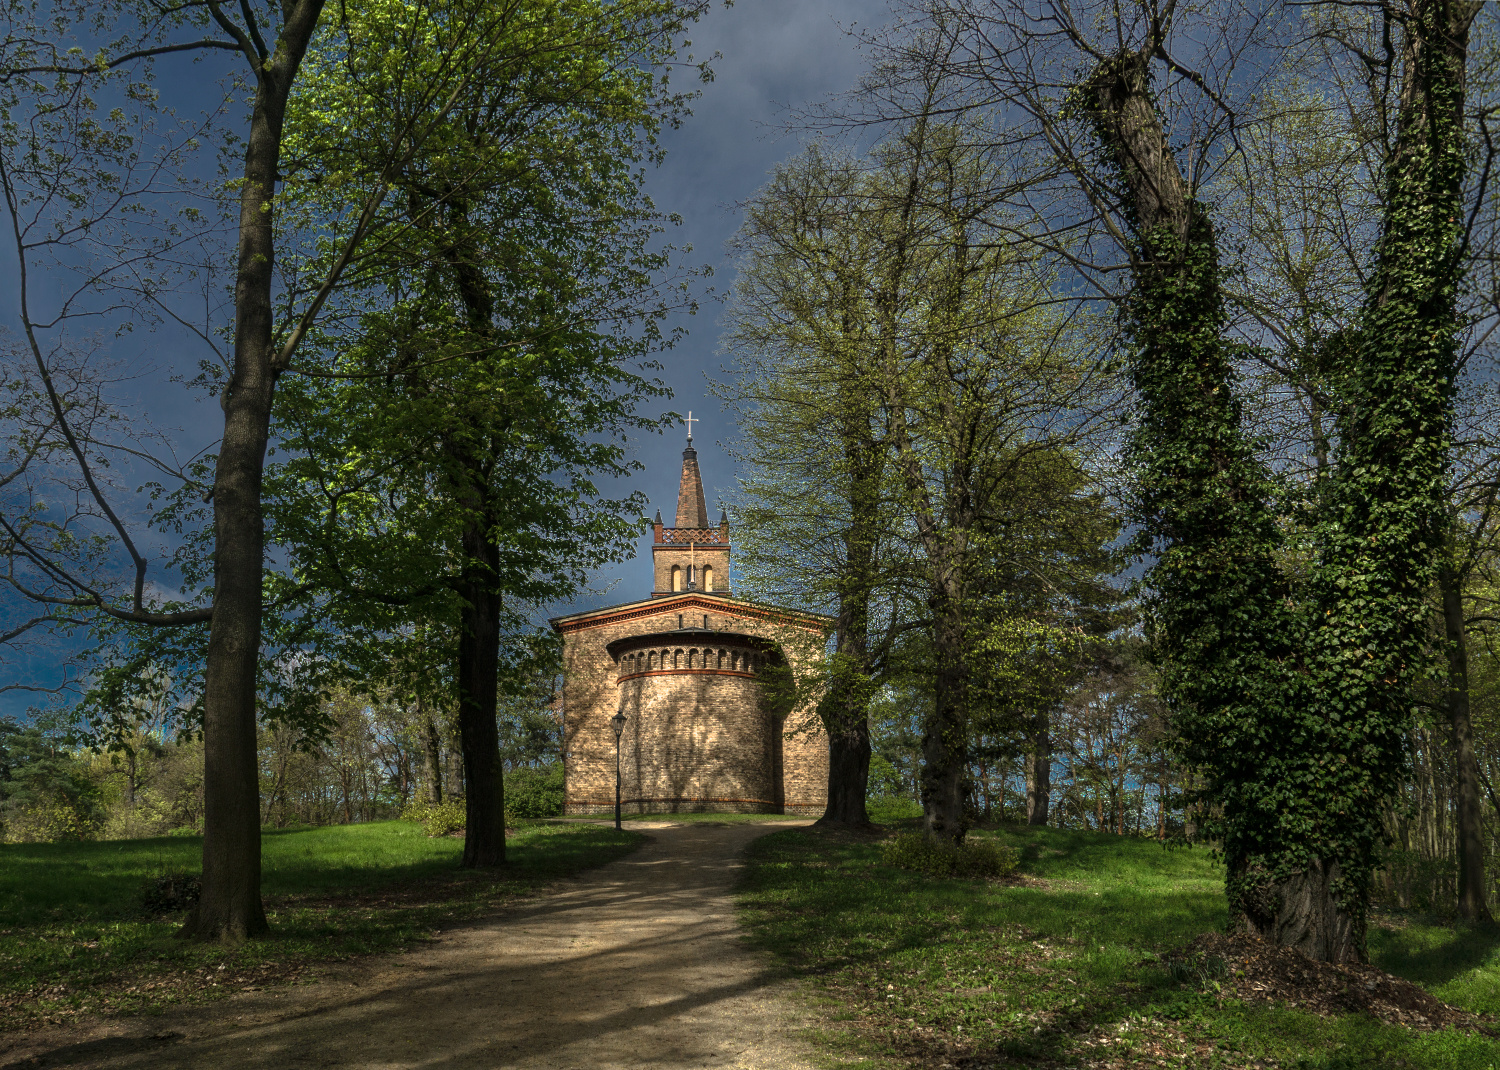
{"x":171,"y":892}
{"x":438,"y":818}
{"x":531,"y":793}
{"x":883,"y":808}
{"x":972,"y":858}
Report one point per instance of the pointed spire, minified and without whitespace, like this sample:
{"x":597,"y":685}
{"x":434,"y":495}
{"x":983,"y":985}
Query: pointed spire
{"x":723,"y":518}
{"x":692,"y":511}
{"x":658,"y":518}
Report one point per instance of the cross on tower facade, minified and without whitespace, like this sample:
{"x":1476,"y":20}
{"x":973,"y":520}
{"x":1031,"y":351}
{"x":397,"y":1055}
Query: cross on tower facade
{"x":690,"y":422}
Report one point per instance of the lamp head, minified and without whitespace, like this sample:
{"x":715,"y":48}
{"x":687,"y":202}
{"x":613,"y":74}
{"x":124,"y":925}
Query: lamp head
{"x":618,"y":720}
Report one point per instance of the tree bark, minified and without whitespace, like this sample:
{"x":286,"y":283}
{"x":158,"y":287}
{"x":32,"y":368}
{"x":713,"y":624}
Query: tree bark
{"x":1472,"y":904}
{"x":845,"y":712}
{"x":230,"y":907}
{"x":479,"y":735}
{"x":945,"y":741}
{"x":1039,"y":776}
{"x":848,"y":774}
{"x":433,"y":758}
{"x":1303,"y":912}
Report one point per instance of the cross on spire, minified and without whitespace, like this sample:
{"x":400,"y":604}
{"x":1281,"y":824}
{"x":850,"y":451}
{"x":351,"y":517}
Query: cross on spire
{"x":690,"y":421}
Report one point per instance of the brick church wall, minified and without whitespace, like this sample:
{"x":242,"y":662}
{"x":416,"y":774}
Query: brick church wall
{"x":682,"y":556}
{"x":699,"y":741}
{"x":721,"y":721}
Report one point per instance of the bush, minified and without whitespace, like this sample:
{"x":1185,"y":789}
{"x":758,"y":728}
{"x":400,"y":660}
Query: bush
{"x":972,"y":858}
{"x":883,"y":808}
{"x":532,"y":793}
{"x":171,"y":892}
{"x":886,"y":779}
{"x":439,"y":819}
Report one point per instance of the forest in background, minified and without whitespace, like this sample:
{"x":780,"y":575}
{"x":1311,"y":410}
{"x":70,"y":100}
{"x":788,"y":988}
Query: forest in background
{"x":1119,"y":380}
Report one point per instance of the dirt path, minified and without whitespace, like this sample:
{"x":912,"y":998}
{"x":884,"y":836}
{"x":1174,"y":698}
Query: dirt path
{"x":635,"y":964}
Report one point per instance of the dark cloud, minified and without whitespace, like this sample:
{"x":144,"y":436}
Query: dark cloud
{"x":777,"y":57}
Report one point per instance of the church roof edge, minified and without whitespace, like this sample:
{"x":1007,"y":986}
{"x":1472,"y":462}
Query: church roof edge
{"x":711,"y":601}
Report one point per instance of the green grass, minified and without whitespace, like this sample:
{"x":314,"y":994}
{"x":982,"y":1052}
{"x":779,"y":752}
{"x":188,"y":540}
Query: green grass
{"x":1065,"y":970}
{"x":74,"y":936}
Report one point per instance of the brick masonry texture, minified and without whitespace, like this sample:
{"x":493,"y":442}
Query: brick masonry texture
{"x":692,"y":512}
{"x":696,"y":738}
{"x":700,"y":677}
{"x":664,"y":557}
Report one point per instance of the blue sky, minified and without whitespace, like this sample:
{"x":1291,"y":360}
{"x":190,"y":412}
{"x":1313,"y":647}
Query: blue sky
{"x":777,"y":56}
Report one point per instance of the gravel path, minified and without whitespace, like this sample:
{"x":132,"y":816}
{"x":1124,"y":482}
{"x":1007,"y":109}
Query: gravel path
{"x":636,"y":964}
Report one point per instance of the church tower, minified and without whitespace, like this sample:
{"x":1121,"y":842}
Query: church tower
{"x":698,"y":679}
{"x":690,"y":556}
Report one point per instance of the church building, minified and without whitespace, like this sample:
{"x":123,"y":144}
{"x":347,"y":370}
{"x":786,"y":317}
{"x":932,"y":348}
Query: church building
{"x":711,"y":723}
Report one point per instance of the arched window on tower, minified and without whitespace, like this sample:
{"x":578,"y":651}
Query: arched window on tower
{"x":708,"y":577}
{"x":676,"y":577}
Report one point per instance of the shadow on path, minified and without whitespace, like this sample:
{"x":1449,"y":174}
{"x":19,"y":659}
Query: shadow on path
{"x":639,"y":963}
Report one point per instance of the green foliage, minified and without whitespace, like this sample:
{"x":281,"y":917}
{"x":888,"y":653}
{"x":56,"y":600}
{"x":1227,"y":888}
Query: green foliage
{"x":885,"y":779}
{"x":887,"y":808}
{"x":532,"y":793}
{"x":975,"y":857}
{"x":1294,"y":700}
{"x":46,"y":792}
{"x":438,"y":819}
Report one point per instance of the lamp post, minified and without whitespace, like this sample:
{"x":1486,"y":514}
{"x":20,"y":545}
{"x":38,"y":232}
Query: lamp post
{"x":618,"y":720}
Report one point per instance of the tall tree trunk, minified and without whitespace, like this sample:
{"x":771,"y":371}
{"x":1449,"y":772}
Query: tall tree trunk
{"x":1223,"y":624}
{"x":1472,"y":904}
{"x":945,"y":741}
{"x":1039,"y":774}
{"x":479,"y":735}
{"x":848,"y":773}
{"x":846,"y":714}
{"x":432,"y":753}
{"x":230,"y":907}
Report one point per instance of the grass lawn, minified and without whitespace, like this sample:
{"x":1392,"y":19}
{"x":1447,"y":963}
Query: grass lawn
{"x":1065,"y":970}
{"x":74,"y":937}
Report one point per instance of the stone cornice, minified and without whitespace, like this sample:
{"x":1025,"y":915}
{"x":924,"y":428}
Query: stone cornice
{"x":686,"y":672}
{"x":729,"y":607}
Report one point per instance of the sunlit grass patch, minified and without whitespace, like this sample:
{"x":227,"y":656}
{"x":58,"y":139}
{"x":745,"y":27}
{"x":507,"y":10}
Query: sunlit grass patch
{"x":1065,"y":969}
{"x":74,"y":935}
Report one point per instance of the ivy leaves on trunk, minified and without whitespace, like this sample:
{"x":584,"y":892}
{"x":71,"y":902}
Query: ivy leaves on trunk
{"x":1295,"y":702}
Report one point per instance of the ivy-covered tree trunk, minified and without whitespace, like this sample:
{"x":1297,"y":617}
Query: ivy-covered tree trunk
{"x":1382,"y":534}
{"x":1221,"y":621}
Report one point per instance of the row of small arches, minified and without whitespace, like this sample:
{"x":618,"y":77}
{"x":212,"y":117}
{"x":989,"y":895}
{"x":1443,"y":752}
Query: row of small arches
{"x":703,"y":579}
{"x":689,"y":658}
